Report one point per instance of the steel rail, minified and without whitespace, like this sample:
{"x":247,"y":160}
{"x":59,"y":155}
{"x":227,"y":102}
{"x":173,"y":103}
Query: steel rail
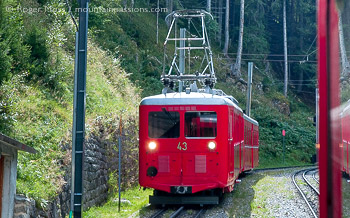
{"x":176,"y":213}
{"x":313,"y":176}
{"x":199,"y":213}
{"x":158,"y":213}
{"x":308,"y":182}
{"x":280,"y":168}
{"x":302,"y":194}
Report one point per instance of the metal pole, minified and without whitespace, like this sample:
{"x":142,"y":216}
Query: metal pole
{"x":285,"y":49}
{"x":79,"y":111}
{"x":249,"y":89}
{"x":182,"y":56}
{"x":119,"y":173}
{"x":119,"y":162}
{"x":157,"y":21}
{"x":283,"y":148}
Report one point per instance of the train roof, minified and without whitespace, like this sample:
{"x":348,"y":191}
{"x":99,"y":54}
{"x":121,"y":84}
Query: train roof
{"x":250,"y":120}
{"x":193,"y":98}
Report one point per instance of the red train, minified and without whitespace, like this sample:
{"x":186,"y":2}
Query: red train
{"x":193,"y":146}
{"x":345,"y":146}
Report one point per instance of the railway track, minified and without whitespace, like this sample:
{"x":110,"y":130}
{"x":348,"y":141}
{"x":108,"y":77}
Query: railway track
{"x":314,"y":176}
{"x":308,"y":191}
{"x":177,"y":213}
{"x":280,"y":168}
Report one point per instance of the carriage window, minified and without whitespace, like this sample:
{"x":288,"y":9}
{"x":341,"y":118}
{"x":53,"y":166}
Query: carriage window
{"x":200,"y":124}
{"x":164,"y":124}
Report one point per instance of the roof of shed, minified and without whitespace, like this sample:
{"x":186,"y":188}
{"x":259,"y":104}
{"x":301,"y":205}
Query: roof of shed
{"x":7,"y":141}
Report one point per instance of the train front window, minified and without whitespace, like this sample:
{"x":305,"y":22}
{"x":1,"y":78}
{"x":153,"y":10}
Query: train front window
{"x":200,"y":124}
{"x":164,"y":124}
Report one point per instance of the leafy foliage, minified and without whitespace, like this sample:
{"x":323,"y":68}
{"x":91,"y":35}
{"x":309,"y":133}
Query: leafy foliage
{"x":36,"y":92}
{"x":36,"y":79}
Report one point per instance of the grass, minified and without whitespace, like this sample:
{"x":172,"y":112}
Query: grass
{"x":266,"y":162}
{"x":346,"y":198}
{"x":251,"y":197}
{"x":43,"y":120}
{"x":138,"y":199}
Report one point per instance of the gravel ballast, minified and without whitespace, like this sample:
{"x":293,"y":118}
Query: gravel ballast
{"x":262,"y":193}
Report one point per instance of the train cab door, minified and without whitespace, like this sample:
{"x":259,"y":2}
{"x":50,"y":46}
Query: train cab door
{"x":236,"y":142}
{"x":231,"y":144}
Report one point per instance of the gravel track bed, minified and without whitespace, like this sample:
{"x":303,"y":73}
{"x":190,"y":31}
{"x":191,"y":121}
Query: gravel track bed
{"x":309,"y":177}
{"x":310,"y":194}
{"x":264,"y":193}
{"x":275,"y":196}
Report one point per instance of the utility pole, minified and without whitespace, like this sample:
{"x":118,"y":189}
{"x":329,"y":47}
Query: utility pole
{"x":227,"y":22}
{"x":249,"y":89}
{"x":285,"y":49}
{"x":209,"y":6}
{"x":120,"y":161}
{"x":182,"y":57}
{"x":157,"y":21}
{"x":79,"y":110}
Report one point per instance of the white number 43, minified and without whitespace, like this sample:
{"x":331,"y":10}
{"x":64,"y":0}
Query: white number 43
{"x":182,"y":146}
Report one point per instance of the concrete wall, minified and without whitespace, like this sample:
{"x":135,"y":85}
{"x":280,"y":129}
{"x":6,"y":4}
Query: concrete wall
{"x":9,"y":183}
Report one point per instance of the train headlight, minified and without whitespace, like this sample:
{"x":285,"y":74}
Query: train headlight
{"x":152,"y":145}
{"x":211,"y":145}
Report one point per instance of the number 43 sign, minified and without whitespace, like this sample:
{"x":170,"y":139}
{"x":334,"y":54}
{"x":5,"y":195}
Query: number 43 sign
{"x":182,"y":146}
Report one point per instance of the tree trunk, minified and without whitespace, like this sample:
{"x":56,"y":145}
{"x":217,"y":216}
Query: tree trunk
{"x":171,"y":6}
{"x":300,"y":24}
{"x":285,"y":49}
{"x":220,"y":14}
{"x":232,"y":19}
{"x":344,"y":59}
{"x":215,"y":14}
{"x":227,"y":27}
{"x":209,"y":6}
{"x":301,"y":78}
{"x":237,"y":66}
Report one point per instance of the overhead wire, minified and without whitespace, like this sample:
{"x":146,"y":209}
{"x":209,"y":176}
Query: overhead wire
{"x":307,"y":53}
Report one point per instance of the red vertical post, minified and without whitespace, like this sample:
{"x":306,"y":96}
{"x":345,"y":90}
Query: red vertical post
{"x":329,"y":132}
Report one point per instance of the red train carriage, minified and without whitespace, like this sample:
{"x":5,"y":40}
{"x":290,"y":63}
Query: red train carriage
{"x":345,"y":146}
{"x":251,"y":144}
{"x":192,"y":144}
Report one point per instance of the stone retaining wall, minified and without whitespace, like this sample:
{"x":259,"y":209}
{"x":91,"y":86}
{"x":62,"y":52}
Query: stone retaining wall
{"x":95,"y":175}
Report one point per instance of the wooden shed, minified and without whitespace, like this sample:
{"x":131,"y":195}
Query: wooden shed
{"x":8,"y":172}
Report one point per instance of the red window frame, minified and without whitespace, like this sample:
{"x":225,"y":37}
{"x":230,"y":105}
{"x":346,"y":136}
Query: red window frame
{"x":329,"y":129}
